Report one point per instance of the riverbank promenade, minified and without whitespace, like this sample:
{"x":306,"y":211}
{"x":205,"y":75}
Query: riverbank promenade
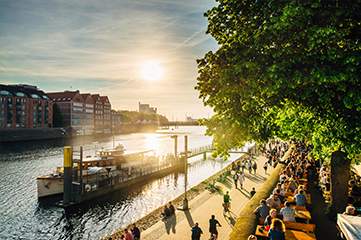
{"x":206,"y":204}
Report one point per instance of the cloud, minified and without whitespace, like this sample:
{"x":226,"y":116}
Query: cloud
{"x":54,"y":43}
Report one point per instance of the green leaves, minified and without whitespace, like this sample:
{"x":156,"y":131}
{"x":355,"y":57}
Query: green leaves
{"x":289,"y":69}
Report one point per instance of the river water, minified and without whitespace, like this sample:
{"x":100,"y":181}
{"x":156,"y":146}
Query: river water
{"x":22,"y":216}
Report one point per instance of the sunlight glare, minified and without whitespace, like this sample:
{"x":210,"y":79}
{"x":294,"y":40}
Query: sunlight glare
{"x":151,"y":70}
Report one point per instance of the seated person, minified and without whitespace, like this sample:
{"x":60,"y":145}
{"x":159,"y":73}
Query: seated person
{"x":277,"y":230}
{"x":292,"y":185}
{"x":281,"y":190}
{"x":252,"y":237}
{"x":350,"y":210}
{"x":355,"y":190}
{"x":272,"y":215}
{"x":273,"y":201}
{"x":278,"y":193}
{"x":288,"y":213}
{"x":283,"y":176}
{"x":300,"y":198}
{"x":262,"y":211}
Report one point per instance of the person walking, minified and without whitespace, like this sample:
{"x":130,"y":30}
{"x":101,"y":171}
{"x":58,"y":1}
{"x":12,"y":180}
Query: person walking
{"x":241,"y":179}
{"x":213,"y":222}
{"x":265,"y":166}
{"x":243,"y":166}
{"x":235,"y":179}
{"x":196,"y":232}
{"x":254,"y":166}
{"x":166,"y":212}
{"x":171,"y":209}
{"x":253,"y":192}
{"x":136,"y":232}
{"x":249,"y":166}
{"x":226,"y":202}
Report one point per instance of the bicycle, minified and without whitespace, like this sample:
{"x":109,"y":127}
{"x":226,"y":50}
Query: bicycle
{"x":226,"y":207}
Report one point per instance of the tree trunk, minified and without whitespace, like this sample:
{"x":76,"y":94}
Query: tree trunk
{"x":340,"y":175}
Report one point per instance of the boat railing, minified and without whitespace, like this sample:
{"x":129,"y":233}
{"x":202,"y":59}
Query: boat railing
{"x":114,"y":177}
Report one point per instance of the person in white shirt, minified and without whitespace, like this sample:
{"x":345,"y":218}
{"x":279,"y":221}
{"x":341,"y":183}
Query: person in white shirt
{"x":241,"y":179}
{"x":273,"y":201}
{"x":288,"y":213}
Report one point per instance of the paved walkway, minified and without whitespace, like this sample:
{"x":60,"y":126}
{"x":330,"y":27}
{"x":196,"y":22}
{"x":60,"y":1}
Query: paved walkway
{"x":206,"y":204}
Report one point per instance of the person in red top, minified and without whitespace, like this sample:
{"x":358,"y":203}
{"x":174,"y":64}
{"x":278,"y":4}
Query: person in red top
{"x":128,"y":235}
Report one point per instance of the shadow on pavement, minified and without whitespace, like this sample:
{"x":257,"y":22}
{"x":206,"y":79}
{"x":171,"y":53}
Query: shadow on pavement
{"x":244,"y":192}
{"x":189,"y":218}
{"x":170,"y":224}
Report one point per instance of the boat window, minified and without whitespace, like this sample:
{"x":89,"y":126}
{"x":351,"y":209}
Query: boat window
{"x":20,"y":94}
{"x":5,"y":93}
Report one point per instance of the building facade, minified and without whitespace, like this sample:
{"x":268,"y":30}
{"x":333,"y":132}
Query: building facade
{"x":146,"y":108}
{"x":25,"y":106}
{"x":98,"y":114}
{"x":69,"y":109}
{"x":85,"y":113}
{"x":116,"y":121}
{"x":88,"y":110}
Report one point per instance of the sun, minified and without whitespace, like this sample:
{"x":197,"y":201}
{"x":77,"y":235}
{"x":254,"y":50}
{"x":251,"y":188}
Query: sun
{"x":151,"y":70}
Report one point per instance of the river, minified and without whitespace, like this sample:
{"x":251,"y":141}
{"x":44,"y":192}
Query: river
{"x":24,"y":217}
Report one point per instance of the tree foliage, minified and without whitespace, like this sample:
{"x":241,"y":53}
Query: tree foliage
{"x":286,"y":68}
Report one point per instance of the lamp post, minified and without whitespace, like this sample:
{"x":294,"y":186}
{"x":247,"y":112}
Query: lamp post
{"x":185,"y":200}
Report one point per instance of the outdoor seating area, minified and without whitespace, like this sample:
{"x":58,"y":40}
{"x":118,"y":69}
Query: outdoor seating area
{"x":348,"y":222}
{"x":287,"y":210}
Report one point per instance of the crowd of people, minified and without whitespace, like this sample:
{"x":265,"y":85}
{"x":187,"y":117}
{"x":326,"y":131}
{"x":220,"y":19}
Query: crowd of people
{"x":290,"y":193}
{"x":354,"y":184}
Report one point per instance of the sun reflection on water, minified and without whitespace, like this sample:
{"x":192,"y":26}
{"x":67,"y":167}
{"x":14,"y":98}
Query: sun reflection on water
{"x":152,"y":142}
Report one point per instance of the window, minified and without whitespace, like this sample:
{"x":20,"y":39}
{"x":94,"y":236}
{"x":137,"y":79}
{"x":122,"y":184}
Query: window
{"x":20,"y":94}
{"x":35,"y":96}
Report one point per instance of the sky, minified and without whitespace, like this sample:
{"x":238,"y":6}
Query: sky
{"x":99,"y":47}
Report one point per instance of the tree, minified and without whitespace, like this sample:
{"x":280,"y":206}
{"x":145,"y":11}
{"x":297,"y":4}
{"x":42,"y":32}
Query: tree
{"x":289,"y":69}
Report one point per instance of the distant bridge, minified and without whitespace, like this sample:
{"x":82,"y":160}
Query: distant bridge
{"x":203,"y":150}
{"x":180,"y":123}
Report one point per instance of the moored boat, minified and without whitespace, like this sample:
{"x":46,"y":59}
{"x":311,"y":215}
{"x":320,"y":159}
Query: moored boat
{"x":108,"y":167}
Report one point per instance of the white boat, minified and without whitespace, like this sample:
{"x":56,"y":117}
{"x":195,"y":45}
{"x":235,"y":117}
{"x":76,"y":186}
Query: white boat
{"x":107,"y":162}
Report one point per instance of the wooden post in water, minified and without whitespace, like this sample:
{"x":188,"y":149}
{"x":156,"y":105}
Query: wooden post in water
{"x":81,"y":170}
{"x":175,"y":137}
{"x":68,"y":175}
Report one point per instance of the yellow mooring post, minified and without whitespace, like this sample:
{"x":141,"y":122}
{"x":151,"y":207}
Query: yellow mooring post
{"x":68,"y":167}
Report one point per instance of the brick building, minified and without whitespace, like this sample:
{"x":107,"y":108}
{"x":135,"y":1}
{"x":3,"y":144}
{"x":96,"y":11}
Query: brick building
{"x":88,"y":109}
{"x":24,"y":106}
{"x":116,"y":121}
{"x":98,"y":113}
{"x":107,"y":116}
{"x":83,"y":112}
{"x":68,"y":110}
